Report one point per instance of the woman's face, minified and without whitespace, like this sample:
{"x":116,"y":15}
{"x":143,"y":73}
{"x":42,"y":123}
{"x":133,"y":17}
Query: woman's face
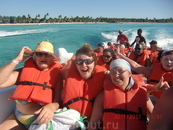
{"x":120,"y":77}
{"x":43,"y":60}
{"x":107,"y":56}
{"x":167,"y":62}
{"x":85,"y":65}
{"x":100,"y":49}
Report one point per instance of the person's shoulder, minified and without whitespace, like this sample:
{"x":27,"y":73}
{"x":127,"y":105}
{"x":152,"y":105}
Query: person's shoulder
{"x":142,"y":37}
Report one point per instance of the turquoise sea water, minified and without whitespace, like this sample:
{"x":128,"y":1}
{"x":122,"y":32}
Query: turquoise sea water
{"x":73,"y":36}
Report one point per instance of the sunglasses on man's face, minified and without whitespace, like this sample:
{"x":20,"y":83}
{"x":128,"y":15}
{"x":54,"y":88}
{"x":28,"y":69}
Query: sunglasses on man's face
{"x":138,"y":49}
{"x":40,"y":54}
{"x":86,"y":61}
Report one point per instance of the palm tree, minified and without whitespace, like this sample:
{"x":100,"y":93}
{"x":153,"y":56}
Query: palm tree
{"x":59,"y":17}
{"x":29,"y":18}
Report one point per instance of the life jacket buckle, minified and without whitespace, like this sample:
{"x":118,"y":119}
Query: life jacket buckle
{"x":44,"y":85}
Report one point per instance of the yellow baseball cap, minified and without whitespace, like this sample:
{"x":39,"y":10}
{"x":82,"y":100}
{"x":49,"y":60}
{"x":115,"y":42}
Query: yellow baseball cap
{"x":46,"y":47}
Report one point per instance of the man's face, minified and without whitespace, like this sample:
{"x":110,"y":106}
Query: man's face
{"x":139,"y":49}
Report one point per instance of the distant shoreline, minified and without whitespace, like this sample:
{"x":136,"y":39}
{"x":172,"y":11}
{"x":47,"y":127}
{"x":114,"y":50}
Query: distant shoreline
{"x":50,"y":23}
{"x":66,"y":23}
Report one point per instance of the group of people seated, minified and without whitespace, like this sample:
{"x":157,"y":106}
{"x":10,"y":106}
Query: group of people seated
{"x":110,"y":85}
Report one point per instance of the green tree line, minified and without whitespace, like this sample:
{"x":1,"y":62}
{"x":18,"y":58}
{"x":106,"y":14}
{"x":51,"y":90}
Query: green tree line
{"x":60,"y":19}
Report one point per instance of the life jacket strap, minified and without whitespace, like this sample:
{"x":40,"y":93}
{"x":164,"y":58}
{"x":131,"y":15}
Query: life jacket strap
{"x":75,"y":100}
{"x":126,"y":112}
{"x":33,"y":83}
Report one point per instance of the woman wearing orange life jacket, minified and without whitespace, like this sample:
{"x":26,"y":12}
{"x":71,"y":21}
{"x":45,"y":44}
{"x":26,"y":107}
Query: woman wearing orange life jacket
{"x":118,"y":106}
{"x":36,"y":85}
{"x":84,"y":81}
{"x":106,"y":58}
{"x":164,"y":68}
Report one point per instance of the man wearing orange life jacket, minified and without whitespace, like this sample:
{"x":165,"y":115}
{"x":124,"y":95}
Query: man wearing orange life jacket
{"x":140,"y":55}
{"x":121,"y":38}
{"x":154,"y":51}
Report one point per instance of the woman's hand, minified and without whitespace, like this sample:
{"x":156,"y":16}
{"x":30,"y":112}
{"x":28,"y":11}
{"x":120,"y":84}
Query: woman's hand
{"x":117,"y":50}
{"x":20,"y":57}
{"x":161,"y":86}
{"x":46,"y":113}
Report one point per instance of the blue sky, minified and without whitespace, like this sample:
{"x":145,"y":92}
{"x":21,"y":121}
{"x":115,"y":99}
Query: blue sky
{"x":93,"y":8}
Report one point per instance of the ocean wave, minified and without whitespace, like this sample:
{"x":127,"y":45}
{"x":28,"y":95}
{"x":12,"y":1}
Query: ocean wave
{"x":21,"y":32}
{"x":164,"y":39}
{"x":165,"y":42}
{"x":110,"y":36}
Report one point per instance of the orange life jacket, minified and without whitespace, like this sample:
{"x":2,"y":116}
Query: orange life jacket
{"x":154,"y":55}
{"x":139,"y":59}
{"x":124,"y":110}
{"x":156,"y":75}
{"x":102,"y":63}
{"x":128,"y":49}
{"x":80,"y":94}
{"x":35,"y":85}
{"x":122,"y":51}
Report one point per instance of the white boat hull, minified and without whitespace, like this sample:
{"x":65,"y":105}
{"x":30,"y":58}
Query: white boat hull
{"x":6,"y":106}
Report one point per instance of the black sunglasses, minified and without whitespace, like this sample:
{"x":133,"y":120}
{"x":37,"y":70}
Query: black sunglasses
{"x":40,"y":54}
{"x":107,"y":56}
{"x":138,"y":49}
{"x":87,"y":61}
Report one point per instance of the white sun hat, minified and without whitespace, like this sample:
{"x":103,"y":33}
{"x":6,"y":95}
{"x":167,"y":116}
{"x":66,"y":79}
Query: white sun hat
{"x":63,"y":55}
